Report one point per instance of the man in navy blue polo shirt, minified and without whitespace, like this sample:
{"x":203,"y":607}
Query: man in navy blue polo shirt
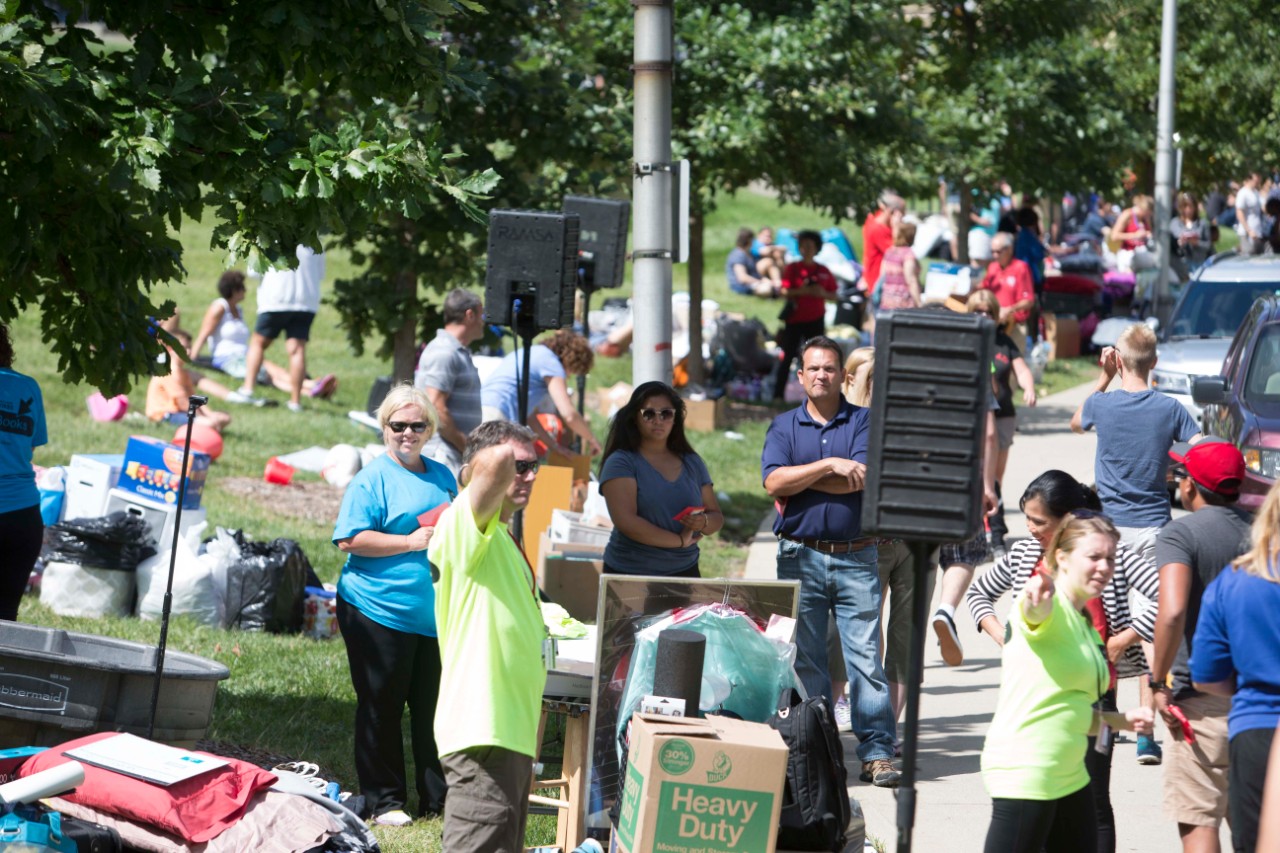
{"x":814,"y":463}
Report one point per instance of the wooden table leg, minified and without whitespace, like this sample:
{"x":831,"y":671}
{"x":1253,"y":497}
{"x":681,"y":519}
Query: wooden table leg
{"x":571,"y":822}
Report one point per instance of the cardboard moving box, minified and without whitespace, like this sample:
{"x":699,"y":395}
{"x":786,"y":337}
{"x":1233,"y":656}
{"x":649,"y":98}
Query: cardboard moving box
{"x":706,"y":415}
{"x":1062,"y":331}
{"x":701,"y":786}
{"x":570,"y":576}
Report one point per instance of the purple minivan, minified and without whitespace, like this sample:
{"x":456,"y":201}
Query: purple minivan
{"x":1243,"y":404}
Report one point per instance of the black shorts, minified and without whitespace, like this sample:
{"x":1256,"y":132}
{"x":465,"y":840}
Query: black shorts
{"x":296,"y":325}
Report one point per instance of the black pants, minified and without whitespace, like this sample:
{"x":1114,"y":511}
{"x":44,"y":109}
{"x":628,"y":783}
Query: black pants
{"x":21,"y":535}
{"x":1099,"y":767}
{"x":789,"y":338}
{"x":1249,"y":753}
{"x":1067,"y":825}
{"x":390,"y":669}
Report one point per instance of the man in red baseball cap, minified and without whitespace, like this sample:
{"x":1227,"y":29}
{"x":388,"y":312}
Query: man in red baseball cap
{"x":1190,"y":552}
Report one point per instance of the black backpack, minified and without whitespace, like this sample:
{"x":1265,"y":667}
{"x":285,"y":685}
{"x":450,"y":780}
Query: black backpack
{"x":815,"y":804}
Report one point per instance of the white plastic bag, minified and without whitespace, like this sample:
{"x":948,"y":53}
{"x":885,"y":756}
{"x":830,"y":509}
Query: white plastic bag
{"x":194,"y":592}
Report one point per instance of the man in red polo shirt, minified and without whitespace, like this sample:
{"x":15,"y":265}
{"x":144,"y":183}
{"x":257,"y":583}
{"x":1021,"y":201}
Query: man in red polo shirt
{"x":877,"y":237}
{"x":1010,"y":280}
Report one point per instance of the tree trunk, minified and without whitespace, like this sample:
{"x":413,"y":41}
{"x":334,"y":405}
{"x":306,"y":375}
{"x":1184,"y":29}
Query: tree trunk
{"x":697,"y":366}
{"x":405,"y":341}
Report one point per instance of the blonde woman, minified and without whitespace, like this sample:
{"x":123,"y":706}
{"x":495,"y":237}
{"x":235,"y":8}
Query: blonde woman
{"x":1236,"y":653}
{"x":386,"y":608}
{"x":1054,"y":670}
{"x":897,"y":580}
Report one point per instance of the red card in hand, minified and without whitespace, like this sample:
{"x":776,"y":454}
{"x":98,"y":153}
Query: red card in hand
{"x":688,"y":511}
{"x":431,"y":516}
{"x":1188,"y":733}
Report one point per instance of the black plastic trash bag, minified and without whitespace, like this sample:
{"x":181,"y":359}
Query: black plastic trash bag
{"x":117,"y":541}
{"x":266,"y":586}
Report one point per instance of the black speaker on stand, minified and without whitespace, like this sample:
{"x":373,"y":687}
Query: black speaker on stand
{"x":529,"y":285}
{"x":929,"y":405}
{"x":602,"y":252}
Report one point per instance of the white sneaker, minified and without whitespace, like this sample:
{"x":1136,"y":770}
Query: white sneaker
{"x":294,"y":407}
{"x":844,"y":714}
{"x":393,"y":818}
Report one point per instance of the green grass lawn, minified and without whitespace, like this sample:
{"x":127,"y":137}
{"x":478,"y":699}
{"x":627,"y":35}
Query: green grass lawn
{"x":292,"y":696}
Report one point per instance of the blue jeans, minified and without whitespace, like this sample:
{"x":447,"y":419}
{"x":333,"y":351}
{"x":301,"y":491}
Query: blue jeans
{"x":849,"y":585}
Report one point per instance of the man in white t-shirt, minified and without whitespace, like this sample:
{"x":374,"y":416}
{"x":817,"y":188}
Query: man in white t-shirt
{"x":1249,"y":215}
{"x":287,"y":303}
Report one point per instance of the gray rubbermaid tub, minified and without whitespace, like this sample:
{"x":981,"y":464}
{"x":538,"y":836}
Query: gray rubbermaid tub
{"x":58,"y":685}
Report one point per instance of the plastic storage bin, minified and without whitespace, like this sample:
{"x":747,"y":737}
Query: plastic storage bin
{"x":58,"y":685}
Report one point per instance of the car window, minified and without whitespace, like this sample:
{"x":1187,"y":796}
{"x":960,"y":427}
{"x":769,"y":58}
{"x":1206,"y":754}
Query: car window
{"x":1215,"y":309}
{"x":1240,"y":345}
{"x":1263,"y":382}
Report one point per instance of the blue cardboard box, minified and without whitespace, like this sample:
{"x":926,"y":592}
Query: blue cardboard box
{"x":153,"y":468}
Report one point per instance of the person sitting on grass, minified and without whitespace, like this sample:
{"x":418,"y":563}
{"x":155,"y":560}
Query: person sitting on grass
{"x":169,"y":396}
{"x":228,"y":336}
{"x":740,"y":268}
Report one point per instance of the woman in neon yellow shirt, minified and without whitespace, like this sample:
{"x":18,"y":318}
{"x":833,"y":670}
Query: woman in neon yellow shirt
{"x":1053,"y":672}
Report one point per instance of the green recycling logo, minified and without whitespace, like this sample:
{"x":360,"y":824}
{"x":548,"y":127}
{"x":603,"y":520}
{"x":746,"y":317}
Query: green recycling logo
{"x":721,"y":767}
{"x":676,"y":757}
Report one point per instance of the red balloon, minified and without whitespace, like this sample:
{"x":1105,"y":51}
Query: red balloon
{"x":204,"y":439}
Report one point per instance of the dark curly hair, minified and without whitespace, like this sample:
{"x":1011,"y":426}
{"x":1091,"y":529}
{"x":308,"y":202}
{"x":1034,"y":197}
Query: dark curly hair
{"x":573,"y":351}
{"x":229,"y":282}
{"x":624,"y":434}
{"x":6,"y":347}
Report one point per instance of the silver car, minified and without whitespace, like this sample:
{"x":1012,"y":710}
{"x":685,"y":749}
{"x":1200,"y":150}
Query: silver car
{"x":1213,"y":304}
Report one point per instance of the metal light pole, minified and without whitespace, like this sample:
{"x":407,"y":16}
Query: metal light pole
{"x":651,"y":193}
{"x":1162,"y":299}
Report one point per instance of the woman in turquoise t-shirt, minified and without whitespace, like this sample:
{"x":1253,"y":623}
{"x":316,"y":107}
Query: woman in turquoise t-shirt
{"x":1053,"y":672}
{"x":658,"y":490}
{"x":21,"y":429}
{"x":386,"y":608}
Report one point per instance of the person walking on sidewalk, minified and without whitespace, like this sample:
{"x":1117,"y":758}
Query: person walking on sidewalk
{"x":1033,"y":761}
{"x":1046,"y":504}
{"x":1136,"y":426}
{"x":814,"y":464}
{"x":1191,"y":551}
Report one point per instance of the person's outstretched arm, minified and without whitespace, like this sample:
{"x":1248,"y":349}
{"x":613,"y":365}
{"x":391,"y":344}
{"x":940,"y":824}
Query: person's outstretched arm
{"x":492,"y":472}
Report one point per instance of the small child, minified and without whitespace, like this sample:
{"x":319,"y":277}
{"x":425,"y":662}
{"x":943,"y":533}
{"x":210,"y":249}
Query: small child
{"x":169,"y":396}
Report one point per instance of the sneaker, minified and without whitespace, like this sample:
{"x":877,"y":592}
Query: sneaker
{"x":294,"y":407}
{"x":880,"y":772}
{"x":948,"y":640}
{"x":248,"y":399}
{"x":396,"y":817}
{"x":844,"y":715}
{"x":1149,"y":752}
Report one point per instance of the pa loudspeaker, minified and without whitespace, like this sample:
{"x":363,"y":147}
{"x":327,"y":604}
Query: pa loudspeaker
{"x":533,"y":257}
{"x":929,"y":403}
{"x":602,"y":239}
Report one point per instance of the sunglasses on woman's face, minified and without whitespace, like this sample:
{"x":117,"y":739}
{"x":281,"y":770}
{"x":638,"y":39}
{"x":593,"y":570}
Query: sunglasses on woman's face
{"x":659,"y":414}
{"x":398,"y":427}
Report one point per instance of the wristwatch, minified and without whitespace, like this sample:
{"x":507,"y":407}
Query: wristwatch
{"x":1158,"y":683}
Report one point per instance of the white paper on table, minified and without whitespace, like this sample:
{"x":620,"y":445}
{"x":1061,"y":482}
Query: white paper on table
{"x":145,"y":759}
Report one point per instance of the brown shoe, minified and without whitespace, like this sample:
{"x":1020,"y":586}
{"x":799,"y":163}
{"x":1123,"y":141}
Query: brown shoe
{"x":880,"y":772}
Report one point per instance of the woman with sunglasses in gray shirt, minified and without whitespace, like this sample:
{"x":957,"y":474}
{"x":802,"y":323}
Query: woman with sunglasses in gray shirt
{"x":659,"y":493}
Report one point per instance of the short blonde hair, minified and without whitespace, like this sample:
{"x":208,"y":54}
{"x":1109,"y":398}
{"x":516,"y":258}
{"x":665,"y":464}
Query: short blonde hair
{"x":403,"y":395}
{"x":1137,"y":347}
{"x":859,"y":371}
{"x":983,"y":300}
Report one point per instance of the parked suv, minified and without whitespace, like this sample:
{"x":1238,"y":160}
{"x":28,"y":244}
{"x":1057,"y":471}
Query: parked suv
{"x":1242,"y":405}
{"x":1212,"y":306}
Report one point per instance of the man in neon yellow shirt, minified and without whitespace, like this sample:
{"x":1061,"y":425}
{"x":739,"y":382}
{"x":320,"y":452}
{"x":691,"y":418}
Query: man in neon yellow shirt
{"x":491,"y":637}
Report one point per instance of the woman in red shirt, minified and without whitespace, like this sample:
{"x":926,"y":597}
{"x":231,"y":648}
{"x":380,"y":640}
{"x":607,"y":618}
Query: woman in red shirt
{"x":806,"y":286}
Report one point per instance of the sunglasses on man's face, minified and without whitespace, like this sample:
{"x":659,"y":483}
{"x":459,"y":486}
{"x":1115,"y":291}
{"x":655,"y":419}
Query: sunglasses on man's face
{"x":398,"y":427}
{"x":659,"y":414}
{"x":525,"y":467}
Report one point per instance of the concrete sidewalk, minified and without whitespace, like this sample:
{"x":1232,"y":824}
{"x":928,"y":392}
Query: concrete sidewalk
{"x":956,"y":704}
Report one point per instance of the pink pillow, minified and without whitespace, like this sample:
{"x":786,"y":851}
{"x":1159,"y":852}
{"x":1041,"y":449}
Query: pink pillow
{"x":196,"y":809}
{"x":102,"y":409}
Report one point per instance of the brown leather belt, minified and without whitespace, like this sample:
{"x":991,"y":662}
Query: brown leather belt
{"x":830,"y":546}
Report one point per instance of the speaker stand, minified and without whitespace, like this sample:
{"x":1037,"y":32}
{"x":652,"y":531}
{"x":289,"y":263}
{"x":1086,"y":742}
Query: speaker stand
{"x":921,"y":567}
{"x":524,"y":329}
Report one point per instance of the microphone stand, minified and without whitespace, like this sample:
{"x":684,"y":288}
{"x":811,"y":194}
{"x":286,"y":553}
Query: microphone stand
{"x":195,"y":401}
